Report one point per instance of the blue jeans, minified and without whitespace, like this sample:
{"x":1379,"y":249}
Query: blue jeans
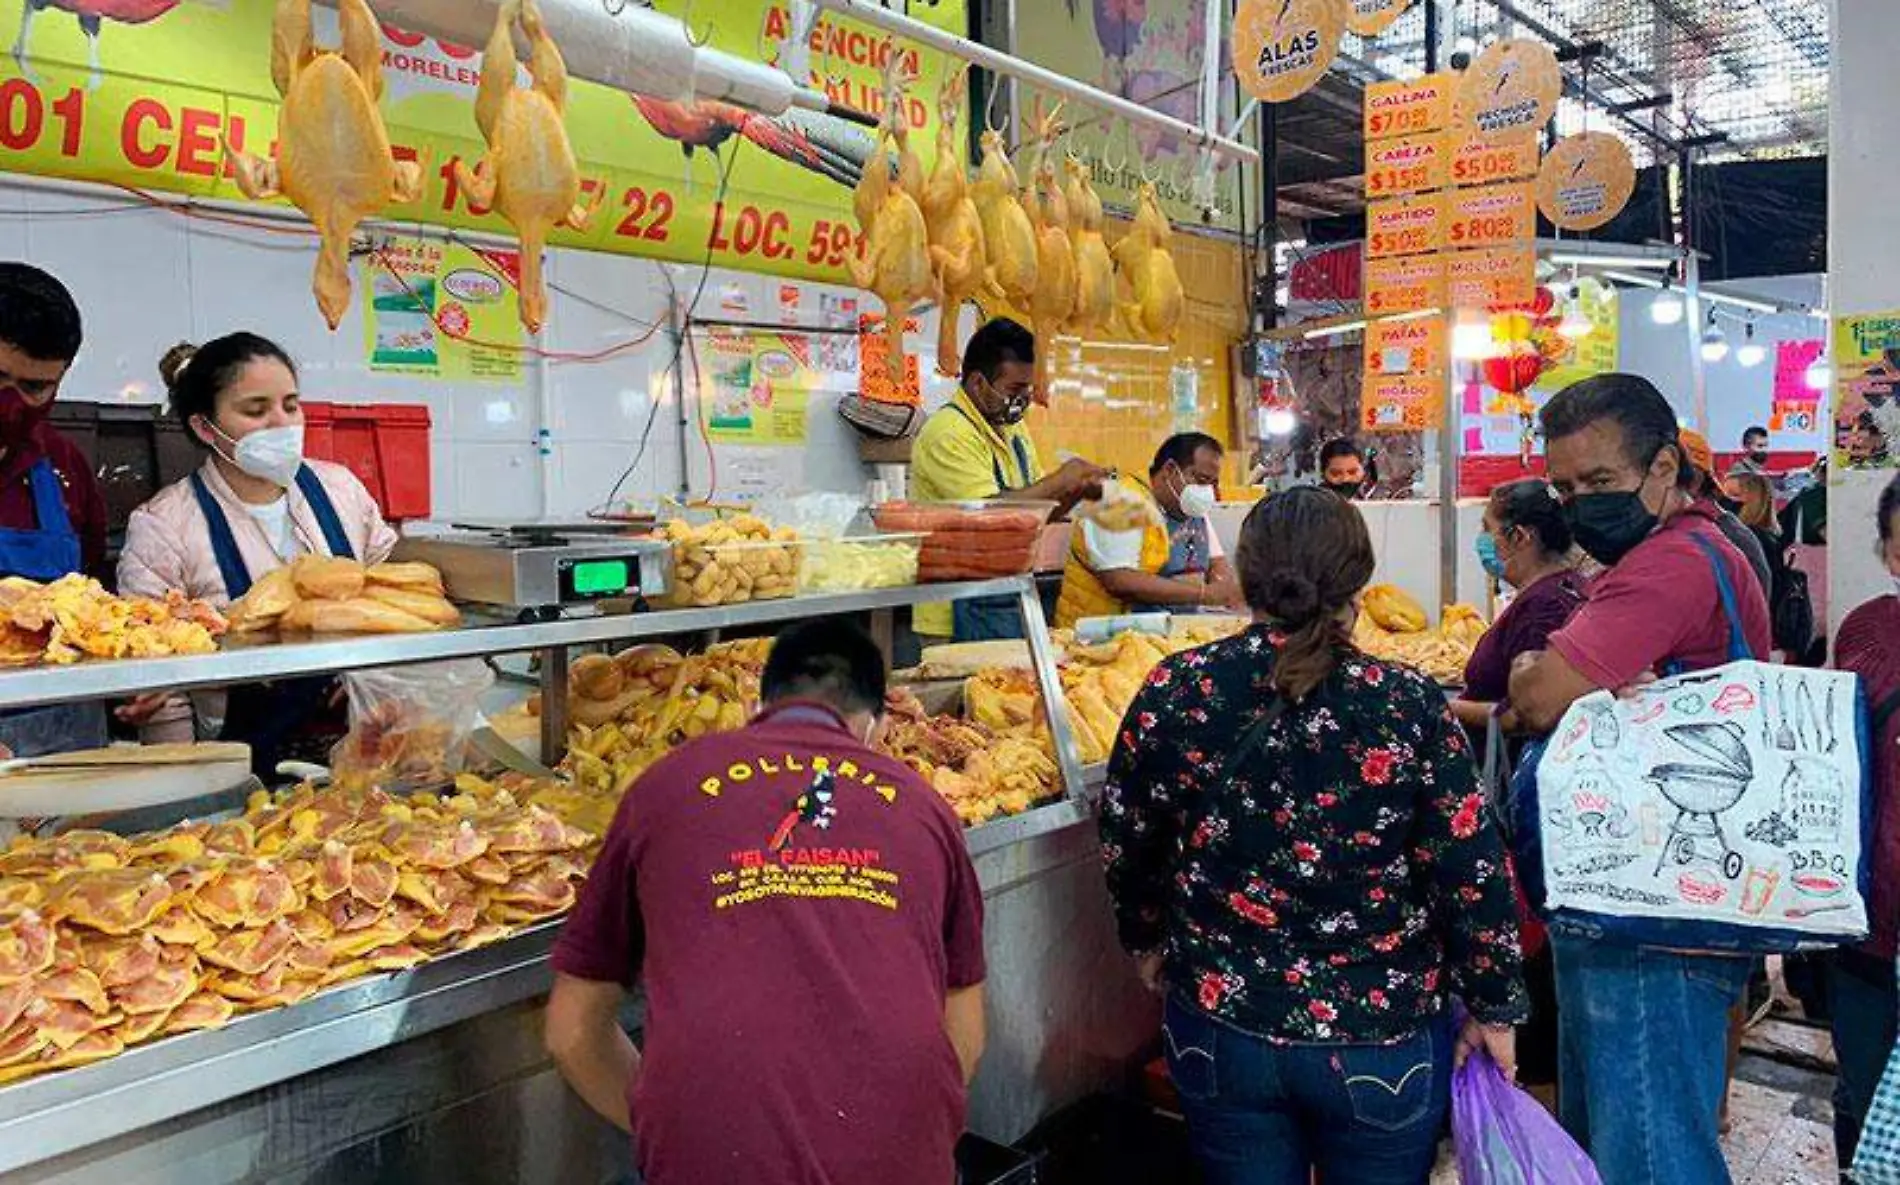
{"x":1862,"y":1004}
{"x":1266,"y":1114}
{"x":1643,"y":1057}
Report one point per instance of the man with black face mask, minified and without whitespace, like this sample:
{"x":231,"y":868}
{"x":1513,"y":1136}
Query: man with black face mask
{"x":1644,"y":1030}
{"x":975,"y":448}
{"x":52,"y":513}
{"x":1342,"y":468}
{"x":1754,"y":457}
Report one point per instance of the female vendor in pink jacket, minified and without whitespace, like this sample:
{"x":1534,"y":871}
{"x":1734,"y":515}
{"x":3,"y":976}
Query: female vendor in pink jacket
{"x":254,"y":505}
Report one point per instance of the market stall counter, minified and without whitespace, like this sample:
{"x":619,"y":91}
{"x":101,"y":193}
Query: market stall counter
{"x":436,"y":1072}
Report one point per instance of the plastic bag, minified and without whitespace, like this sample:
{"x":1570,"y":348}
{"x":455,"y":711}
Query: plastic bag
{"x":409,"y":726}
{"x":1505,"y":1137}
{"x":1115,"y":527}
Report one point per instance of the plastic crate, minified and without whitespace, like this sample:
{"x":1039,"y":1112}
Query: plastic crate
{"x":385,"y":444}
{"x":135,"y":450}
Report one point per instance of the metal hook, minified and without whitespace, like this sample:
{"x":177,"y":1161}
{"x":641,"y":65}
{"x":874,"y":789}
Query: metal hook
{"x":990,"y":123}
{"x":1108,"y":138}
{"x":686,"y":23}
{"x":615,"y":7}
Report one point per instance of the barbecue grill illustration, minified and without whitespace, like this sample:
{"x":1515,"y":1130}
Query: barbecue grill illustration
{"x":1701,"y":793}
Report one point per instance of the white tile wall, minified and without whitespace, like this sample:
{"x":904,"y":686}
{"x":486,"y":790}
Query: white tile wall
{"x":147,"y":279}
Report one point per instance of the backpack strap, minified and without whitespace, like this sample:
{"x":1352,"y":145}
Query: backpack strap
{"x":1738,"y":649}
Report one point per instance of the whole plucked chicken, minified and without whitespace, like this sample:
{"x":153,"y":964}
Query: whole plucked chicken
{"x":1052,"y":305}
{"x":957,"y":252}
{"x":1007,"y":234}
{"x":1094,"y":267}
{"x":896,"y":263}
{"x":333,"y":157}
{"x":529,"y":175}
{"x":1142,"y":256}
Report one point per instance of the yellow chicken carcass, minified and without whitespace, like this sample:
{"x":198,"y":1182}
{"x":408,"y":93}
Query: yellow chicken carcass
{"x":1052,"y":305}
{"x":1394,"y":609}
{"x":1007,"y":233}
{"x":529,"y":175}
{"x":1143,"y":258}
{"x":896,"y":263}
{"x":333,"y":157}
{"x":958,"y":255}
{"x":1094,"y":268}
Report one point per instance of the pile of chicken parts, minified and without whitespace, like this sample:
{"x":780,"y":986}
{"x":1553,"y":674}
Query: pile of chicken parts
{"x":107,"y":941}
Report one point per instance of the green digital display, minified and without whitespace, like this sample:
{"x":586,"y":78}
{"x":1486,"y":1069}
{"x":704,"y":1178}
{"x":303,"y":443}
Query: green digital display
{"x":601,"y":578}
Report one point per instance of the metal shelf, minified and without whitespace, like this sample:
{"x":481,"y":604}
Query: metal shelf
{"x":249,"y":662}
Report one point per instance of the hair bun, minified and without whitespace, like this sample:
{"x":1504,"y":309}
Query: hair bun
{"x":174,"y":362}
{"x":1291,"y":597}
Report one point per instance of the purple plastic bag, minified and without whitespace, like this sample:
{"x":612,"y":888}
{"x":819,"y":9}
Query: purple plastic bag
{"x":1505,"y":1137}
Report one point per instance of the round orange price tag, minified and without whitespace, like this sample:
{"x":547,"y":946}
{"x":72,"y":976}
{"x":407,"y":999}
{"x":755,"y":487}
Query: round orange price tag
{"x":1282,"y":47}
{"x":1586,"y":180}
{"x":1369,"y":18}
{"x":1512,"y":88}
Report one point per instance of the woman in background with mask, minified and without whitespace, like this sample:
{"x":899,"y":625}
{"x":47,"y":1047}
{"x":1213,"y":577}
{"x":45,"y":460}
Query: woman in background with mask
{"x":255,"y":505}
{"x":1526,"y":544}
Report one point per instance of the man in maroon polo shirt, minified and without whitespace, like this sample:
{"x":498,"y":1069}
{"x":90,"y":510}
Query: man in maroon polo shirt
{"x":803,"y":915}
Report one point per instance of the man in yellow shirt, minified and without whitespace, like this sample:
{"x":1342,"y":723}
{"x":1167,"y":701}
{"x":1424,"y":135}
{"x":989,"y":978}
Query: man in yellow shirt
{"x":975,"y":448}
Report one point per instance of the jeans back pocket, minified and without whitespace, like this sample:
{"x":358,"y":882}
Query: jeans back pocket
{"x":1191,"y":1043}
{"x":1391,"y":1087}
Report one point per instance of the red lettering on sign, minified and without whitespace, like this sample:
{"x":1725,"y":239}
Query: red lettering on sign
{"x":132,"y":141}
{"x":22,"y":114}
{"x":71,"y":112}
{"x":198,"y":142}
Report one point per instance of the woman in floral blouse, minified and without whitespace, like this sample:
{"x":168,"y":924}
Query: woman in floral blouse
{"x":1311,"y":908}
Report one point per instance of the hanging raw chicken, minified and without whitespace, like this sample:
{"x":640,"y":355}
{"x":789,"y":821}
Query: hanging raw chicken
{"x":1007,"y":235}
{"x":529,"y":176}
{"x":333,"y":157}
{"x":1052,"y":305}
{"x":1094,"y":268}
{"x":896,"y":263}
{"x":957,"y":253}
{"x":1142,"y":256}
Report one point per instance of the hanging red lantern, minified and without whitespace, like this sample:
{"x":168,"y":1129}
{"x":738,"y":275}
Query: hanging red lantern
{"x":1514,"y":372}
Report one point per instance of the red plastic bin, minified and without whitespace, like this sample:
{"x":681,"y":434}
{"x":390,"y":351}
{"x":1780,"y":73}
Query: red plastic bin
{"x":385,"y":444}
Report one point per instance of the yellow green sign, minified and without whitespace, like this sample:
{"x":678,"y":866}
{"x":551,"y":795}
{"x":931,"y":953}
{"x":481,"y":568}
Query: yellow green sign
{"x":152,"y":99}
{"x":443,"y":310}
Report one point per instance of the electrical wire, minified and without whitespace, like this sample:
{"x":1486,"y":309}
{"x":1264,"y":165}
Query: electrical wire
{"x":680,"y":343}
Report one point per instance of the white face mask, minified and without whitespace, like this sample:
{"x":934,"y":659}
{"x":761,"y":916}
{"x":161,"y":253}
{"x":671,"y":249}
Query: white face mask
{"x":1197,"y":501}
{"x":270,"y":454}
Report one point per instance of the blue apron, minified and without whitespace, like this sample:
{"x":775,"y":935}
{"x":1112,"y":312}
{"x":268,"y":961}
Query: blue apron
{"x":1189,"y":554}
{"x":987,"y":619}
{"x":47,"y":553}
{"x":52,"y":550}
{"x":268,"y":722}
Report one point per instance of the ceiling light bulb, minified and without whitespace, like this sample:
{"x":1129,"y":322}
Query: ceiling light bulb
{"x":1280,"y":421}
{"x":1466,"y":44}
{"x":1575,"y":324}
{"x":1714,"y":342}
{"x":1666,"y":309}
{"x":1751,"y":352}
{"x":1820,"y":375}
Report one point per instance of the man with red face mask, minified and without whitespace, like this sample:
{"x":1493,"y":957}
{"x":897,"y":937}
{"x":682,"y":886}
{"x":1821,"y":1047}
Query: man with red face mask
{"x":52,"y":513}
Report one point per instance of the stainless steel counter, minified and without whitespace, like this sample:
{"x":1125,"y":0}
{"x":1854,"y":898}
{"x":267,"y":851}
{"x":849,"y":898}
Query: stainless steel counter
{"x":449,"y":1051}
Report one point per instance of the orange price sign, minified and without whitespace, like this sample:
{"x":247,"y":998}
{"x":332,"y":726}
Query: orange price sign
{"x":1411,"y":345}
{"x":1497,"y":276}
{"x":1413,"y":164}
{"x":1407,"y":284}
{"x":1408,"y":108}
{"x":1491,"y":216}
{"x":1405,"y":226}
{"x":1478,"y":162}
{"x":1401,"y":402}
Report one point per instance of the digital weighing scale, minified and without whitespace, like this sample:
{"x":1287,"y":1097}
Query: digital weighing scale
{"x":541,"y":568}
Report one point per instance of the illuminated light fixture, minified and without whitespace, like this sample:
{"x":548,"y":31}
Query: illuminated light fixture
{"x":1280,"y":421}
{"x":1714,"y":341}
{"x":1334,"y":330}
{"x":1587,"y":259}
{"x":1638,"y":281}
{"x":1750,"y":352}
{"x":1471,"y":341}
{"x":1575,"y":324}
{"x":1740,"y":302}
{"x":1667,"y":309}
{"x":1820,"y":375}
{"x":1466,"y":44}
